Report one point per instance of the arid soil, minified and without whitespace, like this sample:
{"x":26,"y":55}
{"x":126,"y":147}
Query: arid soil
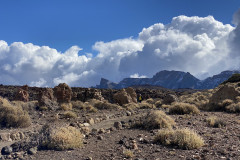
{"x":112,"y":135}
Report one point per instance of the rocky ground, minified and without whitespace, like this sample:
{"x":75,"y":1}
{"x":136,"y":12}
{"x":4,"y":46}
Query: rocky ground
{"x":109,"y":134}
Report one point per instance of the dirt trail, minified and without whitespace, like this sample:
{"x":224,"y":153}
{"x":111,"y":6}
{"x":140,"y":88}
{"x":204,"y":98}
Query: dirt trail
{"x":110,"y":122}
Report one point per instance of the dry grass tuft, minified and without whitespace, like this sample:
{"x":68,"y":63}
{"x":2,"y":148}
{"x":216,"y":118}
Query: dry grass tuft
{"x":103,"y":104}
{"x":215,"y":122}
{"x":13,"y":115}
{"x":182,"y":138}
{"x":150,"y":100}
{"x":69,"y":114}
{"x":145,"y":105}
{"x":66,"y":106}
{"x":79,"y":105}
{"x":158,"y":104}
{"x":183,"y":108}
{"x":156,"y":120}
{"x":233,"y":108}
{"x":62,"y":138}
{"x":128,"y":154}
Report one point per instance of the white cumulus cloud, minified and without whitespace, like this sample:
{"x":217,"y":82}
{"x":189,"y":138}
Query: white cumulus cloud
{"x":199,"y":45}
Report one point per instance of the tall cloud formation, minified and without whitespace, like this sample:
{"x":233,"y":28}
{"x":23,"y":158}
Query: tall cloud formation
{"x":201,"y":46}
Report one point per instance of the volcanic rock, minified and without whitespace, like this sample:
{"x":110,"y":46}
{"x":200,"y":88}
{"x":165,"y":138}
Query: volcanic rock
{"x":63,"y":93}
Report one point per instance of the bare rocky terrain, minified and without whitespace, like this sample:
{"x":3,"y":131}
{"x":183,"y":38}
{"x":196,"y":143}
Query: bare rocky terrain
{"x":112,"y":123}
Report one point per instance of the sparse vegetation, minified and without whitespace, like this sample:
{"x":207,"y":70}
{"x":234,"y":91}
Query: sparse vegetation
{"x":69,"y":114}
{"x":79,"y":105}
{"x":215,"y":122}
{"x":158,"y":104}
{"x":62,"y":138}
{"x":13,"y":115}
{"x":233,"y":108}
{"x":182,"y":138}
{"x":103,"y":104}
{"x":145,"y":105}
{"x":156,"y":120}
{"x":128,"y":153}
{"x":183,"y":108}
{"x":66,"y":106}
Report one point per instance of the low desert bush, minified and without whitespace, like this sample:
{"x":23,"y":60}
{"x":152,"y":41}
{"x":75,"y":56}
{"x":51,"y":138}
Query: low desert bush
{"x":66,"y":106}
{"x":150,"y":100}
{"x":26,"y":106}
{"x":233,"y":108}
{"x":103,"y":104}
{"x":215,"y":122}
{"x":158,"y":104}
{"x":182,"y":138}
{"x":61,"y":138}
{"x":79,"y":105}
{"x":183,"y":108}
{"x":155,"y":120}
{"x":69,"y":114}
{"x":128,"y":154}
{"x":130,"y":106}
{"x":145,"y":105}
{"x":13,"y":116}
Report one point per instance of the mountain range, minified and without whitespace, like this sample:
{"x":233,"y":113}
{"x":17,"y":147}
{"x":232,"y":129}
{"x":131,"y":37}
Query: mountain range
{"x":171,"y":80}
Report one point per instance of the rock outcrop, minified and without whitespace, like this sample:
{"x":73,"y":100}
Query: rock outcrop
{"x":125,"y":96}
{"x":63,"y":93}
{"x":22,"y":94}
{"x":46,"y":98}
{"x":227,"y":91}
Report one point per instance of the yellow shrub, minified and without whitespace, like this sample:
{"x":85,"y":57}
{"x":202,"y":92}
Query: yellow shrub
{"x":215,"y":122}
{"x":156,"y":120}
{"x":183,"y":138}
{"x":233,"y":108}
{"x":66,"y":106}
{"x":69,"y":114}
{"x":63,"y":138}
{"x":183,"y":108}
{"x":13,"y":116}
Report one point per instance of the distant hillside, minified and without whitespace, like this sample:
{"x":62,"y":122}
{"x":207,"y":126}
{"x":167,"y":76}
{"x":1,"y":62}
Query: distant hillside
{"x":171,"y":80}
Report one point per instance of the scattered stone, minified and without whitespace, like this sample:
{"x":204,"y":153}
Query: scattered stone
{"x":15,"y":136}
{"x":5,"y":137}
{"x":128,"y":113}
{"x":100,"y":137}
{"x":7,"y":150}
{"x":85,"y":130}
{"x":32,"y":151}
{"x":89,"y":158}
{"x":112,"y":129}
{"x":86,"y":124}
{"x":118,"y":125}
{"x":90,"y":121}
{"x":101,"y":130}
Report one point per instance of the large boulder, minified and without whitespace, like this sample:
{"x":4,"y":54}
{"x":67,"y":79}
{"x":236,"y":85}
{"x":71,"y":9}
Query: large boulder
{"x":63,"y":93}
{"x":22,"y":94}
{"x":125,"y":96}
{"x":46,"y":98}
{"x":227,"y":91}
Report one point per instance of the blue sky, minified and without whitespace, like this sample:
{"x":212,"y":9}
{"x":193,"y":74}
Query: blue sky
{"x":47,"y":42}
{"x":61,"y":24}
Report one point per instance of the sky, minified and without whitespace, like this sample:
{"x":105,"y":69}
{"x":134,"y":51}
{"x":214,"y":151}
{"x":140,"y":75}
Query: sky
{"x":43,"y":43}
